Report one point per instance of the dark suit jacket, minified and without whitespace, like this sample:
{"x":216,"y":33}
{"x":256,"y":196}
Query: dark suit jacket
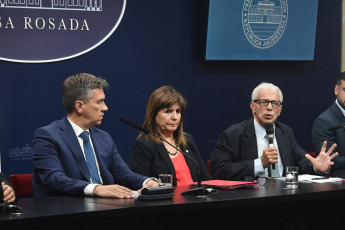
{"x":151,"y":159}
{"x":330,"y":118}
{"x":236,"y":149}
{"x":3,"y":179}
{"x":60,"y":167}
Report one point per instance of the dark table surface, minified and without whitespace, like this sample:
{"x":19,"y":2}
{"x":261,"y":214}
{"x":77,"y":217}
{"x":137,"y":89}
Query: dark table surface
{"x":308,"y":198}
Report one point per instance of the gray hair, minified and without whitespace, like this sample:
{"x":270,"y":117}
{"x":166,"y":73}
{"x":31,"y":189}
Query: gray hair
{"x":266,"y":86}
{"x":79,"y":87}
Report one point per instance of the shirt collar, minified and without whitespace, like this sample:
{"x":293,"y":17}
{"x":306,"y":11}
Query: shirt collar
{"x":76,"y":128}
{"x":259,"y":130}
{"x":341,"y":108}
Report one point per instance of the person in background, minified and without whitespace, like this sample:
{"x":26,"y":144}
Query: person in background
{"x":150,"y":156}
{"x":72,"y":157}
{"x":242,"y":150}
{"x":8,"y":192}
{"x":330,"y":124}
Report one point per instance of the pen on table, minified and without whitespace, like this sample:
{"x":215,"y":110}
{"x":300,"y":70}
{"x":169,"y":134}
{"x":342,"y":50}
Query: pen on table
{"x":320,"y":178}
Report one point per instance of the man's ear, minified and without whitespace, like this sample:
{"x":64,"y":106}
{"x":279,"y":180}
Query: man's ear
{"x":252,"y":106}
{"x":79,"y":106}
{"x":336,"y":89}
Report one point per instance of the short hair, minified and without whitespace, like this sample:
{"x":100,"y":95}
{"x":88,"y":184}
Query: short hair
{"x":266,"y":86}
{"x":161,"y":98}
{"x":340,"y":77}
{"x":79,"y":87}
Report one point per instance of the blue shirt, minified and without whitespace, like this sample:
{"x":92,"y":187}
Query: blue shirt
{"x":262,"y":143}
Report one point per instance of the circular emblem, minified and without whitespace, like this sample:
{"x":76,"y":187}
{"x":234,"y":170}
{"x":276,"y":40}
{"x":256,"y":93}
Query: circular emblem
{"x":53,"y":30}
{"x":264,"y":21}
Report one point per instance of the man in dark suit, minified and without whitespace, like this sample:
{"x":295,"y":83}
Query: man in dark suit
{"x":242,"y":150}
{"x":70,"y":161}
{"x":333,"y":118}
{"x":8,"y":192}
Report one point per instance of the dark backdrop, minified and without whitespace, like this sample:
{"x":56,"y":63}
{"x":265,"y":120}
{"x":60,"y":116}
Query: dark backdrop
{"x":163,"y":43}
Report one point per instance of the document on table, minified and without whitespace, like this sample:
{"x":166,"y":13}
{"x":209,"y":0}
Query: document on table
{"x":315,"y":179}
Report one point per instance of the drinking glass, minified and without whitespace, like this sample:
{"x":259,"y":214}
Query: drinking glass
{"x":291,"y":176}
{"x":165,"y":179}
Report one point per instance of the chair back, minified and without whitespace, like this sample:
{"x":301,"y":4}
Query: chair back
{"x":22,"y":184}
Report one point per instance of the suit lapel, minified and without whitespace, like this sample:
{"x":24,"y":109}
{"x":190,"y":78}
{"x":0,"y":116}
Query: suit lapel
{"x":249,"y":142}
{"x":283,"y":141}
{"x":166,"y":159}
{"x":68,"y":135}
{"x":338,"y":114}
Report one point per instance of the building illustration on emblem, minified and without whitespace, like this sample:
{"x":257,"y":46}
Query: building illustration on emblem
{"x":264,"y":21}
{"x":265,"y":12}
{"x":82,"y":5}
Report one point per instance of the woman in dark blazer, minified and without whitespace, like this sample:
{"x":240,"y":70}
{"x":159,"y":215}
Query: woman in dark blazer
{"x":151,"y":157}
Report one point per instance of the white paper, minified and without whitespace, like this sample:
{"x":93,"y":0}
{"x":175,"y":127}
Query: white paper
{"x":317,"y":179}
{"x":313,"y":179}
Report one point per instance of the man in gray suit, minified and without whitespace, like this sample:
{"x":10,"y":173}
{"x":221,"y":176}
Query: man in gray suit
{"x":329,"y":126}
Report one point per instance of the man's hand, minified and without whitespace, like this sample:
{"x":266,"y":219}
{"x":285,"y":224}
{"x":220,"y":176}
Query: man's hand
{"x":113,"y":191}
{"x":323,"y":161}
{"x":269,"y":156}
{"x":9,"y":195}
{"x":150,"y":183}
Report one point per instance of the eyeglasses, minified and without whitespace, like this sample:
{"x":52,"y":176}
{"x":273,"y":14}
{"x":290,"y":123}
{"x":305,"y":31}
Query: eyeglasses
{"x":259,"y":180}
{"x":264,"y":102}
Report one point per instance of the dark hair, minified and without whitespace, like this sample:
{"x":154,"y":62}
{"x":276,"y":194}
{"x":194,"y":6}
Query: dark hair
{"x":340,"y":77}
{"x":79,"y":87}
{"x":161,"y":98}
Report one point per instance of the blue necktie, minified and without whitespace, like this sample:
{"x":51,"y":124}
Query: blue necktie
{"x":90,"y":158}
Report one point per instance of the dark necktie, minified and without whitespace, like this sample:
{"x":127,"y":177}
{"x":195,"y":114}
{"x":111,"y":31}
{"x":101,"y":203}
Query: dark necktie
{"x":90,"y":158}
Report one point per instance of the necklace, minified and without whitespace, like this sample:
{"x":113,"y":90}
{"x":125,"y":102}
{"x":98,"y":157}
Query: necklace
{"x":177,"y":151}
{"x":173,"y":154}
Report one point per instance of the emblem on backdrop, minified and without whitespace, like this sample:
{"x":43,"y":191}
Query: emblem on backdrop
{"x":39,"y":31}
{"x":264,"y":21}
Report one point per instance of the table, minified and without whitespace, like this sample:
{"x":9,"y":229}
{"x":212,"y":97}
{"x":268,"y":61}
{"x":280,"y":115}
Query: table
{"x":310,"y":206}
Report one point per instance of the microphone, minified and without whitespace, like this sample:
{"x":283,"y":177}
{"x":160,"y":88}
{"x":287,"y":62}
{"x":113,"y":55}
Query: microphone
{"x":335,"y":127}
{"x":200,"y":190}
{"x":270,"y":135}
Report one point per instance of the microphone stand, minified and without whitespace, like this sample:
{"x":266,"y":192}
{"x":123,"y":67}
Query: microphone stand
{"x":198,"y":191}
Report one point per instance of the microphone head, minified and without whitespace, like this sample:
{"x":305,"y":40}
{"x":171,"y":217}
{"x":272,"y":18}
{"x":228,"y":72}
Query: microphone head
{"x":269,"y":129}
